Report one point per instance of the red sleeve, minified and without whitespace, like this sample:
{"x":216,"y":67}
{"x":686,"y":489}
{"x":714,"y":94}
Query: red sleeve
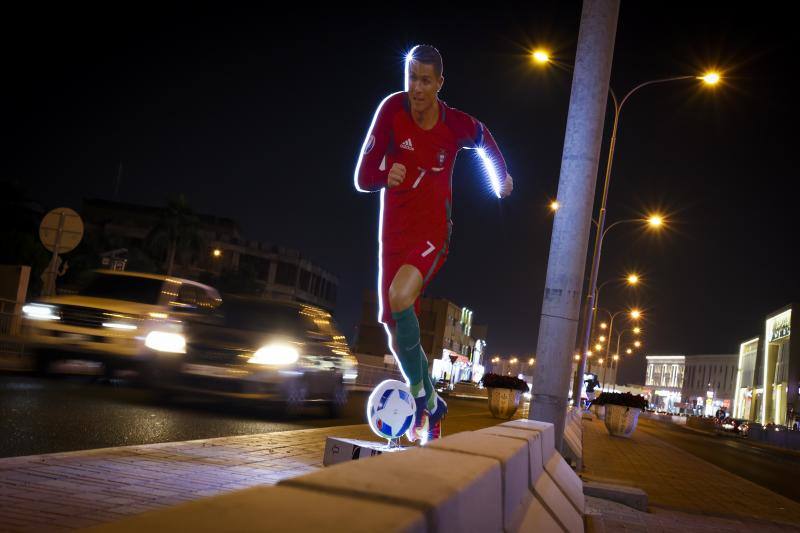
{"x":371,"y":174}
{"x":471,"y":133}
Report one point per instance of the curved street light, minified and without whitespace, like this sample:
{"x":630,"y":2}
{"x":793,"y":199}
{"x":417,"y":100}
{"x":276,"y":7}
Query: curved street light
{"x":710,"y":78}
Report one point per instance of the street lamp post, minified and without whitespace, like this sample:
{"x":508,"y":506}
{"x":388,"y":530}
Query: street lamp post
{"x":710,"y":79}
{"x":635,"y":331}
{"x":634,"y":314}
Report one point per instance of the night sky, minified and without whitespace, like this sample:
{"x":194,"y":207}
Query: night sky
{"x":258,"y":116}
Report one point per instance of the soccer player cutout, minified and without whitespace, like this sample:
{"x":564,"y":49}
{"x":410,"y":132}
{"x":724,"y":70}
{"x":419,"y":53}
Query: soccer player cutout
{"x":408,"y":156}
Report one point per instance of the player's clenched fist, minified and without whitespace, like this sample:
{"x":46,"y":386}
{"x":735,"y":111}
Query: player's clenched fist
{"x":396,"y":175}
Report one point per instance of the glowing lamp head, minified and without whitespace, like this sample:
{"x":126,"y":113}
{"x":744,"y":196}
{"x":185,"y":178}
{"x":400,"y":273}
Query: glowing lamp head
{"x":541,"y":56}
{"x":637,"y":330}
{"x":555,"y":206}
{"x":633,"y":279}
{"x":711,"y":78}
{"x":598,"y":346}
{"x":637,"y":344}
{"x":603,"y":325}
{"x":217,"y":252}
{"x":600,"y":361}
{"x":602,"y":338}
{"x":577,"y":357}
{"x":616,"y":358}
{"x":629,"y":351}
{"x":531,"y":361}
{"x":589,"y":353}
{"x":655,"y":221}
{"x":636,"y":314}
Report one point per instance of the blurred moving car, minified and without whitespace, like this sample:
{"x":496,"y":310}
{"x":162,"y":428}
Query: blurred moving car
{"x":265,"y":350}
{"x":117,"y":321}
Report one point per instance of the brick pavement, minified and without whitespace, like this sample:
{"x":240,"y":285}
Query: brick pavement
{"x":63,"y":491}
{"x":685,"y":492}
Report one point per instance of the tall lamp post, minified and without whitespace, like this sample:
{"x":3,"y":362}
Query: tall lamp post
{"x":710,"y":79}
{"x":617,"y":356}
{"x":634,"y":314}
{"x":542,"y":57}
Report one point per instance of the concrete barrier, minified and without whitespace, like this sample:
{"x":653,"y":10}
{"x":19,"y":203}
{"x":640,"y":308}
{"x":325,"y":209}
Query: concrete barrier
{"x":503,"y":478}
{"x":572,"y":445}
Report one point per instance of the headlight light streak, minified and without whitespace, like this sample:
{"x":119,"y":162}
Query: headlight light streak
{"x":275,"y":354}
{"x":164,"y":341}
{"x":40,"y":312}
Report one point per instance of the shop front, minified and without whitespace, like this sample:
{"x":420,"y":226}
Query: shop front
{"x":745,"y":399}
{"x":780,"y":371}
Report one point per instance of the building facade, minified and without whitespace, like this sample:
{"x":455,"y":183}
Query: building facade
{"x":748,"y":393}
{"x":709,"y":383}
{"x":780,"y":373}
{"x":664,"y":380}
{"x":221,"y":253}
{"x":454,"y":346}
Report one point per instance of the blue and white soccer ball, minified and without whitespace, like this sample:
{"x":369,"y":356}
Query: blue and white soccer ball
{"x":390,"y":409}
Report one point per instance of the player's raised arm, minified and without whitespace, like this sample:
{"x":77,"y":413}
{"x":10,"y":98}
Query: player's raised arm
{"x":371,"y":173}
{"x":474,"y":135}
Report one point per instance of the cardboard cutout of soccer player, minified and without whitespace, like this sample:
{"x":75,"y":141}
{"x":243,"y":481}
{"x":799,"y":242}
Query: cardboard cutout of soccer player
{"x":408,"y":156}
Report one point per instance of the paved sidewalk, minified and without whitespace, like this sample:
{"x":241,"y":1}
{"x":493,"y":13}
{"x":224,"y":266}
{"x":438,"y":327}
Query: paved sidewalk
{"x":685,"y":492}
{"x":62,"y":491}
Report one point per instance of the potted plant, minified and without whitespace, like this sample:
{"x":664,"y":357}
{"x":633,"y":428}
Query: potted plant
{"x":622,"y":411}
{"x":504,"y":394}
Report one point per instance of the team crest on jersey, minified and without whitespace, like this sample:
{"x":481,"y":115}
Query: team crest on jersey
{"x":441,"y":157}
{"x":370,"y":144}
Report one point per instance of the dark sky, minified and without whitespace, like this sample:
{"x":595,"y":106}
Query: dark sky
{"x":258,"y":115}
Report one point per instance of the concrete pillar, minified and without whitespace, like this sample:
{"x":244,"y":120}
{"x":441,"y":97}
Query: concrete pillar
{"x":570,"y":238}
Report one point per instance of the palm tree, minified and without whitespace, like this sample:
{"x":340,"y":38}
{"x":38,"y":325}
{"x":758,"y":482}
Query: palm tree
{"x":177,"y":233}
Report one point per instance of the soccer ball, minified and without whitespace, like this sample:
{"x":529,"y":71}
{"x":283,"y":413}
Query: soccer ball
{"x":390,"y":409}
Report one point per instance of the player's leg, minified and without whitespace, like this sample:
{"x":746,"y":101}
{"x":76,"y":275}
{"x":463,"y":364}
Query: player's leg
{"x":403,"y":292}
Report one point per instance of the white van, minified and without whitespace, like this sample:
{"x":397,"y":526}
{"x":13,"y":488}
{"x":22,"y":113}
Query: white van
{"x":117,"y":321}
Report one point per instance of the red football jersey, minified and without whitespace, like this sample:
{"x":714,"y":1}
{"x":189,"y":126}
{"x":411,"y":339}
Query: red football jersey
{"x":421,"y":205}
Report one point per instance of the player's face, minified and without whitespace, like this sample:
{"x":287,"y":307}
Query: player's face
{"x":423,"y":86}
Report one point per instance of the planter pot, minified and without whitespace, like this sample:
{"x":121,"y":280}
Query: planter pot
{"x":620,"y":420}
{"x":599,"y":411}
{"x":503,"y":403}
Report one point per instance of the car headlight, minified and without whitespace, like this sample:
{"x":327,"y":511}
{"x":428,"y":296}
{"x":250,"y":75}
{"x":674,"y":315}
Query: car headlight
{"x":275,"y":354}
{"x":164,"y":341}
{"x":119,"y":325}
{"x":41,"y":312}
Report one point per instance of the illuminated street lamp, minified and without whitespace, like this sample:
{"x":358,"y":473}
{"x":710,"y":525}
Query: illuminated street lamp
{"x":711,"y":78}
{"x":591,"y":305}
{"x":217,"y":252}
{"x":637,"y":344}
{"x":540,"y":56}
{"x":598,"y":346}
{"x":602,"y":338}
{"x":637,"y":330}
{"x":629,"y":351}
{"x":603,"y":325}
{"x":577,"y":357}
{"x":531,"y":361}
{"x":554,"y":206}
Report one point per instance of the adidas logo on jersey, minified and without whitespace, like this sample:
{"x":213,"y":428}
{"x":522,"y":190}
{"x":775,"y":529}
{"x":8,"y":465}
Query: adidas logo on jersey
{"x":407,"y":145}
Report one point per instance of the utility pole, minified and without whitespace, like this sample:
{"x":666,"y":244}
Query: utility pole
{"x":576,"y":187}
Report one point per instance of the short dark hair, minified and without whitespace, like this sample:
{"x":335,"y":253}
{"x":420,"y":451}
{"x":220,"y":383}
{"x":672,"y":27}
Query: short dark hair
{"x":429,"y":55}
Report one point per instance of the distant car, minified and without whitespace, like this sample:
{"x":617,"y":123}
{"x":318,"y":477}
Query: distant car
{"x":265,"y":351}
{"x":117,"y":321}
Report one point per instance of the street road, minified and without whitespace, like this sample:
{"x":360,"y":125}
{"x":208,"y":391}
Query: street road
{"x":776,"y":470}
{"x":46,"y":415}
